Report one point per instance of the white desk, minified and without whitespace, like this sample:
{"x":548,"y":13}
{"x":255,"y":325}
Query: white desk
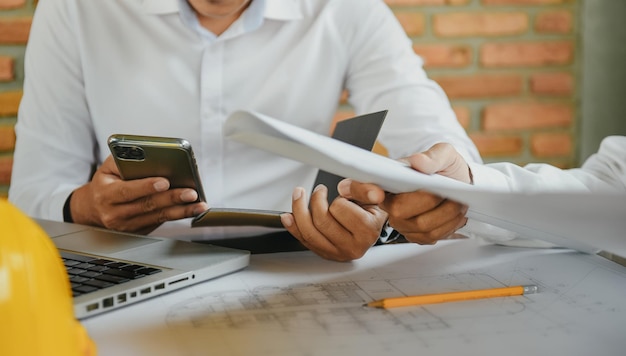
{"x":298,"y":304}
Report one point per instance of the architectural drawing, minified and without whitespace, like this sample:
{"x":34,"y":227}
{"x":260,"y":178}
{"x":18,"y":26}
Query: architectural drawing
{"x":304,"y":315}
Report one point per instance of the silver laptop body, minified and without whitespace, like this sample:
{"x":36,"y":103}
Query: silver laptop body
{"x":180,"y":263}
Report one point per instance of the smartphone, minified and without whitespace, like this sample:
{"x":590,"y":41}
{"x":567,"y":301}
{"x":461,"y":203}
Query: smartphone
{"x":150,"y":156}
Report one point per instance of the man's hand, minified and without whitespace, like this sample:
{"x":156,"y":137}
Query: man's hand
{"x":139,"y":205}
{"x":441,"y":159}
{"x":343,"y":231}
{"x":420,"y":216}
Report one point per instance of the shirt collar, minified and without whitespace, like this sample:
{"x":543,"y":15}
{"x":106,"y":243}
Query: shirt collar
{"x":274,"y":9}
{"x":251,"y":19}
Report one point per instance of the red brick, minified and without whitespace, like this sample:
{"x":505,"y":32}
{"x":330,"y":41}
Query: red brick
{"x":480,"y":24}
{"x":552,"y":83}
{"x":526,"y":54}
{"x":6,"y":164}
{"x":463,"y":115}
{"x":482,"y":85}
{"x":551,"y":144}
{"x":425,"y":2}
{"x":343,"y":99}
{"x":412,"y":22}
{"x":497,"y":145}
{"x":11,"y":4}
{"x":14,"y":30}
{"x":444,"y":55}
{"x":7,"y":138}
{"x":515,"y":116}
{"x":6,"y":69}
{"x":9,"y":103}
{"x":343,"y":115}
{"x":526,"y":2}
{"x":554,"y":22}
{"x":380,"y":149}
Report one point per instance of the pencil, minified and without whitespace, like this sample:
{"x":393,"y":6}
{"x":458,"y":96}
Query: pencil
{"x":451,"y":297}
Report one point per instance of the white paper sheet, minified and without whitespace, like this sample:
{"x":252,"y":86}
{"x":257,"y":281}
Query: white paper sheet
{"x":299,"y":304}
{"x":587,"y":222}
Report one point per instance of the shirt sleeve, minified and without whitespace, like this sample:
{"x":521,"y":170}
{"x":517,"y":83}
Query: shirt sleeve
{"x":55,"y":138}
{"x":603,"y":171}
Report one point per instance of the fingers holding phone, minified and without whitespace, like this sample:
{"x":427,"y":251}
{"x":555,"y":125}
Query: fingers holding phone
{"x":138,"y":190}
{"x":149,"y":156}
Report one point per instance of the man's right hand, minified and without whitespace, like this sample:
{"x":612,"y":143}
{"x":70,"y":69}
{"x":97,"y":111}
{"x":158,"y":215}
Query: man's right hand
{"x":422,"y":217}
{"x":138,"y":206}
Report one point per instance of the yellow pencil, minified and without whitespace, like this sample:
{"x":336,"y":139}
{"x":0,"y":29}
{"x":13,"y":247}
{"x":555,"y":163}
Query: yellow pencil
{"x":451,"y":297}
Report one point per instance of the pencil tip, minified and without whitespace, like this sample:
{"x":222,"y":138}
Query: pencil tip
{"x":374,"y":304}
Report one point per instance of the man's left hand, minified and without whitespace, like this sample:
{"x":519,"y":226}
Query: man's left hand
{"x":343,"y":231}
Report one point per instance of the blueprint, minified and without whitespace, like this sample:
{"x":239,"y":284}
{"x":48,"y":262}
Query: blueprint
{"x":299,"y":304}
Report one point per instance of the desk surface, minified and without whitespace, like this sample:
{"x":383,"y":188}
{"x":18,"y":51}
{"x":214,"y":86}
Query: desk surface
{"x":298,"y":304}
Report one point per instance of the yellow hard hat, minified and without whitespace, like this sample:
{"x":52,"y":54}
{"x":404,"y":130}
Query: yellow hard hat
{"x":36,"y":310}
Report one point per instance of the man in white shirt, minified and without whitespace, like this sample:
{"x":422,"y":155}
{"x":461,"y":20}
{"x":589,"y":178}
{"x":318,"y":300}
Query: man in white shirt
{"x":178,"y":68}
{"x":411,"y":214}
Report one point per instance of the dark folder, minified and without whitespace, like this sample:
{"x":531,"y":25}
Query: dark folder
{"x":360,"y":131}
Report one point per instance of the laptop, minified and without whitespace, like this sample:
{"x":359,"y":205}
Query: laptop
{"x":109,"y":270}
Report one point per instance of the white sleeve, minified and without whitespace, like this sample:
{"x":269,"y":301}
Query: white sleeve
{"x":608,"y":166}
{"x":54,"y":151}
{"x":604,"y":171}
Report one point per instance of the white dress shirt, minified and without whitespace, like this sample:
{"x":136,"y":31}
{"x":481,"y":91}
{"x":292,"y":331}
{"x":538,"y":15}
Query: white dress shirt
{"x":145,"y":67}
{"x":603,"y":171}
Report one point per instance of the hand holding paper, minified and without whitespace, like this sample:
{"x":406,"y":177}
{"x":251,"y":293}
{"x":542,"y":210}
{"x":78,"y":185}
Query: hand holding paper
{"x":587,"y":222}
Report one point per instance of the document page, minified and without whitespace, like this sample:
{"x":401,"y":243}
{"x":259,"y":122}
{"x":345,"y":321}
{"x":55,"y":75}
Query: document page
{"x":583,"y":221}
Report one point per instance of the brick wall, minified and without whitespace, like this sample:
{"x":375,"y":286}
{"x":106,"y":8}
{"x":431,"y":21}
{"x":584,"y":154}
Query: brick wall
{"x":15,"y":20}
{"x":510,"y":68}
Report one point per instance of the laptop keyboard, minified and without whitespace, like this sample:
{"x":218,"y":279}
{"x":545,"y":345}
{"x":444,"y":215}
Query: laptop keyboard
{"x":89,"y":274}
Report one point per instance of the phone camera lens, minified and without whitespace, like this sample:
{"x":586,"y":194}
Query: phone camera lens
{"x":129,"y":152}
{"x":136,"y":153}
